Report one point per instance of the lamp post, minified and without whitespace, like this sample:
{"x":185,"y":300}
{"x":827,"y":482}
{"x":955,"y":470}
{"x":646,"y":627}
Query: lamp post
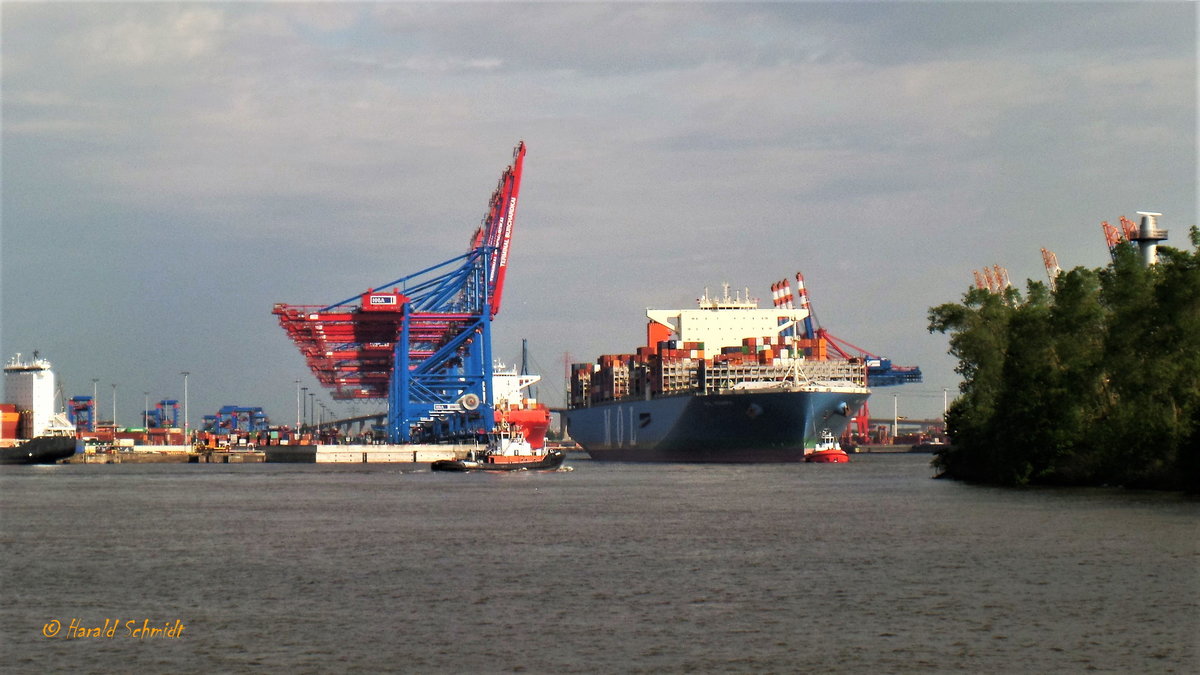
{"x":312,"y":406}
{"x":297,"y":404}
{"x":304,"y":398}
{"x":95,"y":402}
{"x":146,"y":410}
{"x":895,"y":415}
{"x":187,"y":438}
{"x":945,"y":403}
{"x":114,"y":406}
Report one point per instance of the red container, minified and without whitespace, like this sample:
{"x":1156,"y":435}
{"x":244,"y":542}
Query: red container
{"x":8,"y":423}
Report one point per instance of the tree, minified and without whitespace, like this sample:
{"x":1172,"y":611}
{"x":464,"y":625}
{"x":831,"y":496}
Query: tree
{"x":1097,"y":382}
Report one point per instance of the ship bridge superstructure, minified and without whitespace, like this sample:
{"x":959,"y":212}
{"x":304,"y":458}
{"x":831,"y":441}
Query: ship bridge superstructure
{"x":724,"y":321}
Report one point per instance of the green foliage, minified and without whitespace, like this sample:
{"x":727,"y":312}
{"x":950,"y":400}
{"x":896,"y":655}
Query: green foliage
{"x":1094,"y":383}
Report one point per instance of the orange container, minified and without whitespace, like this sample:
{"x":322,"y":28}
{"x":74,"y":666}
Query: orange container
{"x":8,"y":424}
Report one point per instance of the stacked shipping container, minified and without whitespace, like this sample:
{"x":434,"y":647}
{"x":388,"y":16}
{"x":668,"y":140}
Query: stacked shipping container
{"x":675,"y":367}
{"x":9,"y":420}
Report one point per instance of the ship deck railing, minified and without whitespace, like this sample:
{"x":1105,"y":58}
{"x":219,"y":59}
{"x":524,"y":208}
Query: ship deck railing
{"x":785,"y":374}
{"x":732,"y":377}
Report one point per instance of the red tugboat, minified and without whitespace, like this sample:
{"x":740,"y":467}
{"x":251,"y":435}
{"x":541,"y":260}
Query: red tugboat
{"x":514,"y":407}
{"x":507,"y":450}
{"x":828,"y":451}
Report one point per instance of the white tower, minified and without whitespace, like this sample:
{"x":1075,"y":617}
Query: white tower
{"x":1148,"y":236}
{"x":30,"y":386}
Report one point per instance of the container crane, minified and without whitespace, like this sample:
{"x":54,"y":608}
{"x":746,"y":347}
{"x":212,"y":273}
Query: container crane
{"x":235,"y":419}
{"x":1052,"y":269}
{"x":993,"y":279}
{"x":164,"y":415}
{"x":82,"y":413}
{"x":1113,"y":235}
{"x":422,"y":341}
{"x":880,"y":370}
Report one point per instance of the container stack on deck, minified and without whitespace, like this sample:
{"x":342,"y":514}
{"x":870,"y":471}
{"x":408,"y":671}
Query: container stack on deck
{"x":677,"y":367}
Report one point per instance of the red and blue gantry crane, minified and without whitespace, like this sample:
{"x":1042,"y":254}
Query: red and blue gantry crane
{"x":880,"y":370}
{"x":423,"y":341}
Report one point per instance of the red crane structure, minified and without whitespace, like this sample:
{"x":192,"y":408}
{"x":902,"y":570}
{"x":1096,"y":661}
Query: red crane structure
{"x":1052,"y":269}
{"x":994,"y":279}
{"x":880,"y":371}
{"x":1114,"y":235}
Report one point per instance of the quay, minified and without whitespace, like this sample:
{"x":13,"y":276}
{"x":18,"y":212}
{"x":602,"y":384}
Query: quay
{"x":306,"y":454}
{"x":367,"y":454}
{"x":164,"y":454}
{"x":875,"y":448}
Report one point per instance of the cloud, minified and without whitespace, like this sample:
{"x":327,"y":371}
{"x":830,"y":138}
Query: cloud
{"x":283,"y":151}
{"x":175,"y":34}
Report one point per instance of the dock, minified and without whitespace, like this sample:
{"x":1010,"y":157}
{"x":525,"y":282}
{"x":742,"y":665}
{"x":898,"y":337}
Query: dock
{"x":367,"y":454}
{"x":305,"y":454}
{"x":165,"y":454}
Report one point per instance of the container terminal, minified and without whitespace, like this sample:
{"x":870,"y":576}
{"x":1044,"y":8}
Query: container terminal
{"x":422,"y":344}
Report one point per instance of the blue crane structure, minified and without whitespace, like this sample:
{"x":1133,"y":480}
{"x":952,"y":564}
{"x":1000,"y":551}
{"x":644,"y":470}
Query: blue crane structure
{"x":165,"y":414}
{"x":425,"y":345}
{"x":82,"y":412}
{"x":233,"y":419}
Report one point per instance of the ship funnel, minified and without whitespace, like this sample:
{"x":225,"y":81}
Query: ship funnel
{"x":1148,"y":236}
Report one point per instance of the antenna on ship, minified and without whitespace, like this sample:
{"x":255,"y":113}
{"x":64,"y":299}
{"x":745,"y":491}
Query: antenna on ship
{"x":525,"y":364}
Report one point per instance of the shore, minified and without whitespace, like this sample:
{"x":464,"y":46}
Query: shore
{"x":304,"y":454}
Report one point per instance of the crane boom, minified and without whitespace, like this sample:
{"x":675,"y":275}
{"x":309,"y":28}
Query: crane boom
{"x":1129,"y":228}
{"x":1112,"y":236}
{"x":496,"y":230}
{"x":1052,"y":269}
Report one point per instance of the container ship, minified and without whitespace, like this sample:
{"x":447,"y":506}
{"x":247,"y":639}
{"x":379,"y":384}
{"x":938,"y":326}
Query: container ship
{"x":726,"y":382}
{"x":31,"y":432}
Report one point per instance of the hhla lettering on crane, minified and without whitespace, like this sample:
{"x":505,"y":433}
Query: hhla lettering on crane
{"x":512,"y":206}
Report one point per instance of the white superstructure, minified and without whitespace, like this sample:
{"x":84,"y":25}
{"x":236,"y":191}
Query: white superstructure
{"x":724,"y":322}
{"x":508,"y":386}
{"x":30,"y":386}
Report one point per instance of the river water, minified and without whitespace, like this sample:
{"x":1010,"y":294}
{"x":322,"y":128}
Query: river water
{"x":867,"y":567}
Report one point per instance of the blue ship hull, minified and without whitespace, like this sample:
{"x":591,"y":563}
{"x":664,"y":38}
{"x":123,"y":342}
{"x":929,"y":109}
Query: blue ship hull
{"x":740,"y":427}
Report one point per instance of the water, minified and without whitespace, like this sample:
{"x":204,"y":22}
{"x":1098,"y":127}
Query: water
{"x":867,"y":567}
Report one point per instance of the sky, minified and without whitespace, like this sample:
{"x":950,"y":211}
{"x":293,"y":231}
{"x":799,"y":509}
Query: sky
{"x":170,"y":171}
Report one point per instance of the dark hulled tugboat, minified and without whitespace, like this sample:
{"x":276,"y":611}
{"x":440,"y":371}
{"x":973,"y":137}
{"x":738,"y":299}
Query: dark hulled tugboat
{"x":507,"y":450}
